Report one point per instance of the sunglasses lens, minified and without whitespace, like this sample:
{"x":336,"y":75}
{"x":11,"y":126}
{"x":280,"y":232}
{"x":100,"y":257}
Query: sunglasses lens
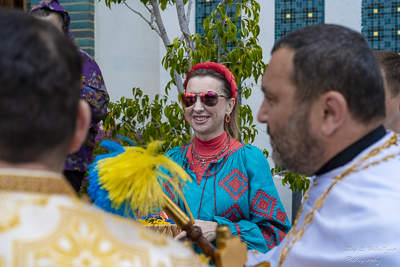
{"x":209,"y":98}
{"x":188,"y":99}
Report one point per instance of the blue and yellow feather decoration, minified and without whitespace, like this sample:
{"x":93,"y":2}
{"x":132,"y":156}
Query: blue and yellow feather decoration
{"x":130,"y":178}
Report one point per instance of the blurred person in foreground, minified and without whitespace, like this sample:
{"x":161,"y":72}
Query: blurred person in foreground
{"x":324,"y":104}
{"x":42,"y":222}
{"x":389,"y":61}
{"x":93,"y":90}
{"x":231,"y":181}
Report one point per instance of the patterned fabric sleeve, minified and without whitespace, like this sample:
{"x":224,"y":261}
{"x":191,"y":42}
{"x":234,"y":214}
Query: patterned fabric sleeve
{"x":93,"y":88}
{"x":268,"y":223}
{"x":98,"y":102}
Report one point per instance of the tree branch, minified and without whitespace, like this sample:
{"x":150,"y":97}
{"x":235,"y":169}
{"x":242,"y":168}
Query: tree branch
{"x":148,"y":22}
{"x":164,"y":37}
{"x":159,"y":22}
{"x":180,"y":10}
{"x":188,"y":11}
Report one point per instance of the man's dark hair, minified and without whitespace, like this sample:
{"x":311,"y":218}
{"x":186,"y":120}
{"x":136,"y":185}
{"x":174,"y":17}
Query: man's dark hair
{"x":390,"y":63}
{"x":39,"y":88}
{"x":335,"y":58}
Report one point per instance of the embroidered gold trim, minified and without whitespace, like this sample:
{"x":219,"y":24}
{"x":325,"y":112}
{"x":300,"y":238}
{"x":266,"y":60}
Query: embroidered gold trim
{"x":308,"y":218}
{"x":11,"y":208}
{"x":31,"y":184}
{"x":2,"y":262}
{"x":10,"y":222}
{"x":195,"y":260}
{"x":80,"y":238}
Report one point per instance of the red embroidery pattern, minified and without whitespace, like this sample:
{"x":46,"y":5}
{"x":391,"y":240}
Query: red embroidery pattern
{"x":234,"y":213}
{"x":230,"y":152}
{"x":281,"y":236}
{"x":183,"y":148}
{"x":273,"y":236}
{"x":235,"y":184}
{"x":263,"y":205}
{"x":168,"y":189}
{"x":281,"y":216}
{"x":268,"y":237}
{"x":238,"y":230}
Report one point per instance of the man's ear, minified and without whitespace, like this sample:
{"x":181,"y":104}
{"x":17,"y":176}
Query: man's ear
{"x":335,"y":109}
{"x":81,"y":127}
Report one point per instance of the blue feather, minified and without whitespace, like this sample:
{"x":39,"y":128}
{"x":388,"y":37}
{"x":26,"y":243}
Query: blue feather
{"x":95,"y":190}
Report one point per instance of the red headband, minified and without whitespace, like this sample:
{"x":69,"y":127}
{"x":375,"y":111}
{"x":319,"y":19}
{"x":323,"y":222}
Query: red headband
{"x":220,"y":69}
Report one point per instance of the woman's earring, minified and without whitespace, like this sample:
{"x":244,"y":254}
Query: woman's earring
{"x":228,"y":118}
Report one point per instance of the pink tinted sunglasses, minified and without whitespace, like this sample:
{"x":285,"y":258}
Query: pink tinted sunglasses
{"x":209,"y":98}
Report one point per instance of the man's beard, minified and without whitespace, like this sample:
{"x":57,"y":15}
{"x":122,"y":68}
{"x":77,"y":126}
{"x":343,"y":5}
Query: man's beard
{"x":295,"y":147}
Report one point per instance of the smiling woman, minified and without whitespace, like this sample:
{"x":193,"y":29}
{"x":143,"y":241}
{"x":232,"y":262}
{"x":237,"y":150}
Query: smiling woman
{"x":231,"y":182}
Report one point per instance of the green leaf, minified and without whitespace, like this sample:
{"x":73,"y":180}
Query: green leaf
{"x":210,"y":36}
{"x":206,"y":23}
{"x":198,"y":38}
{"x":180,"y":53}
{"x":238,"y":10}
{"x":300,"y":184}
{"x":163,"y":4}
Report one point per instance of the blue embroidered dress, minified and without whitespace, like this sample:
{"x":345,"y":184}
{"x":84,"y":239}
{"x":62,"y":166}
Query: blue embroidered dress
{"x":236,"y":190}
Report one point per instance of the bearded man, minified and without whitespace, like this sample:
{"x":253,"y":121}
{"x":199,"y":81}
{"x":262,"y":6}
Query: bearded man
{"x":325,"y":106}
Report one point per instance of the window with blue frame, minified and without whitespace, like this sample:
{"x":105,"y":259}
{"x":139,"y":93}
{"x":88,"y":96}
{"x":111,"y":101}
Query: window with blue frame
{"x":380,"y":24}
{"x":291,"y":15}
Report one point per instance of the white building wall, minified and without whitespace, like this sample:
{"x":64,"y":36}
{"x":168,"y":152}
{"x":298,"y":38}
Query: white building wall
{"x":126,"y":49}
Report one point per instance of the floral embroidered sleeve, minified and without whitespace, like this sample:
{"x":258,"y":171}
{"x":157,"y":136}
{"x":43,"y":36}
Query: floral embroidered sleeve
{"x":93,"y":88}
{"x":97,"y":100}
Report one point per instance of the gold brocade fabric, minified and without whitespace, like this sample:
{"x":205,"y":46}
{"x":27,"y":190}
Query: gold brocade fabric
{"x":43,"y":223}
{"x":46,"y":185}
{"x":168,"y":229}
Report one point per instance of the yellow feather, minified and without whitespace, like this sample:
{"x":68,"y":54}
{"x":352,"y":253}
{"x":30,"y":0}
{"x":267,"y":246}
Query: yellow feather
{"x":134,"y":177}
